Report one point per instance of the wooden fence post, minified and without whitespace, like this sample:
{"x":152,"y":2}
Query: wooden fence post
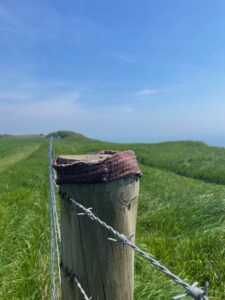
{"x":104,"y":268}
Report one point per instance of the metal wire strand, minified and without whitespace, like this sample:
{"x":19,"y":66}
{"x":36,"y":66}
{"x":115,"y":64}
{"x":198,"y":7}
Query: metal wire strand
{"x":57,"y":237}
{"x":57,"y":243}
{"x":52,"y":233}
{"x":73,"y":278}
{"x":192,"y":290}
{"x":82,"y":291}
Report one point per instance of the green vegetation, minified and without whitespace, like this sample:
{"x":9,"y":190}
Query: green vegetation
{"x":13,"y":149}
{"x":191,"y":159}
{"x":181,"y":220}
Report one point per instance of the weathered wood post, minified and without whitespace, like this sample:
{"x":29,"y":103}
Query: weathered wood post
{"x":108,"y":182}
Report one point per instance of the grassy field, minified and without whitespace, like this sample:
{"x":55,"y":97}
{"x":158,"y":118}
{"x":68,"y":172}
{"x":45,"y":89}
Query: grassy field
{"x":181,"y":217}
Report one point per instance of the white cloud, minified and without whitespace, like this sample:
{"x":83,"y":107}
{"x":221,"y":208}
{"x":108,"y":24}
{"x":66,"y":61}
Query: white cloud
{"x":146,"y":92}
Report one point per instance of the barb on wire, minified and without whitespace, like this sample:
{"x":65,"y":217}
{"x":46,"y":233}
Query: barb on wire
{"x":192,"y":290}
{"x":58,"y":235}
{"x":81,"y":289}
{"x":73,"y":277}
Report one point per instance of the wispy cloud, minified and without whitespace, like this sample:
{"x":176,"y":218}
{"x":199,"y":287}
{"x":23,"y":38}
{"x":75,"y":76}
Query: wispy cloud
{"x":9,"y":22}
{"x":70,"y":28}
{"x":128,"y":109}
{"x":40,"y":83}
{"x":54,"y":25}
{"x":49,"y":91}
{"x":177,"y":86}
{"x":12,"y":30}
{"x":125,"y":58}
{"x":12,"y":96}
{"x":71,"y":97}
{"x":5,"y":15}
{"x":22,"y":110}
{"x":146,"y":92}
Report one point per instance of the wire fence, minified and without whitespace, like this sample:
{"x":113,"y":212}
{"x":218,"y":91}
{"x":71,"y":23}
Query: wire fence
{"x":52,"y":226}
{"x":55,"y":237}
{"x":197,"y":293}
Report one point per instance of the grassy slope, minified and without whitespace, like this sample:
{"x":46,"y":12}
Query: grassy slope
{"x":191,"y":159}
{"x":181,"y":220}
{"x":24,"y":224}
{"x":13,"y":149}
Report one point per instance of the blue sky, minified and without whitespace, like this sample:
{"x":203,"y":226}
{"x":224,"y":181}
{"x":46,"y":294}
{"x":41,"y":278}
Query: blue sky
{"x":114,"y":69}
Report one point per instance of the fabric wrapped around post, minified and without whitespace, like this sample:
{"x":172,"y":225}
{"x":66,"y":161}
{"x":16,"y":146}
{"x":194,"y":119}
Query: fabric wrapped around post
{"x":109,"y":166}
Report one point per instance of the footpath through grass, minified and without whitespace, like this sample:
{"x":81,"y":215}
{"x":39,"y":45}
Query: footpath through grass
{"x":180,"y":220}
{"x":24,"y":243}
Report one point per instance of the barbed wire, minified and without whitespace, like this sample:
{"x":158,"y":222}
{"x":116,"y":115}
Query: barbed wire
{"x":73,"y":277}
{"x":52,"y":234}
{"x":81,"y":289}
{"x":57,"y":228}
{"x":55,"y":237}
{"x":193,"y":290}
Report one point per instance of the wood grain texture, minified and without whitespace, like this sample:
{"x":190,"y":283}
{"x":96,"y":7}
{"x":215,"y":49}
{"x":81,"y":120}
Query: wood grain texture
{"x":105,"y":269}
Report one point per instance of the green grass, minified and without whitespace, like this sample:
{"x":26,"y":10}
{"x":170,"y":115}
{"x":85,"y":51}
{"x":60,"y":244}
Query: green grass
{"x":187,"y":158}
{"x":24,"y":259}
{"x":13,"y":149}
{"x":181,"y":220}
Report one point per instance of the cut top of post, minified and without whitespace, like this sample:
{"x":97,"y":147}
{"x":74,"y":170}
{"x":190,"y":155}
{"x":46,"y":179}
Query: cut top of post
{"x":102,"y":166}
{"x":68,"y":159}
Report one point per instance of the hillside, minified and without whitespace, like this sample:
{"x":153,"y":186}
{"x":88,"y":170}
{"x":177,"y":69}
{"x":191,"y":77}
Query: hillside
{"x":191,"y":159}
{"x":15,"y":148}
{"x":181,"y":219}
{"x":187,"y":158}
